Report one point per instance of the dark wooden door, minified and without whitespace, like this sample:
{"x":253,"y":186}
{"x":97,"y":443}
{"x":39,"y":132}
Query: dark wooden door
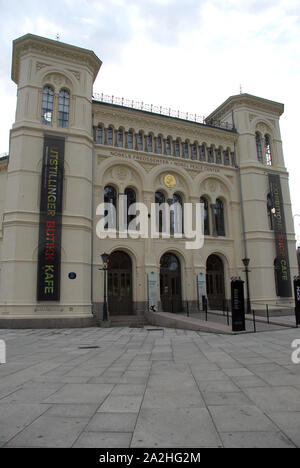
{"x":170,"y":284}
{"x":215,"y":282}
{"x":119,"y":284}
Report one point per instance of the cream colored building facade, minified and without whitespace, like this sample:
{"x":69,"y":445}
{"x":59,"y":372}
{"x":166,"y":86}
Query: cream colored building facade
{"x":114,"y":148}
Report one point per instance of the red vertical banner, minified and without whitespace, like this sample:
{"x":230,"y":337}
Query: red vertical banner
{"x":49,"y":252}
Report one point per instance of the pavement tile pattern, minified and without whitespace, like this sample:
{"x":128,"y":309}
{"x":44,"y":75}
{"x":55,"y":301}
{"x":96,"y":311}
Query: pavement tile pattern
{"x":146,"y":387}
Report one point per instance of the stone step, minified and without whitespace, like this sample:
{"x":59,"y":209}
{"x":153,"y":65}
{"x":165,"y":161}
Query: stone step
{"x":127,"y":321}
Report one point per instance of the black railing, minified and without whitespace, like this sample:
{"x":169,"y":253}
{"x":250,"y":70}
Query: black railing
{"x":166,"y":111}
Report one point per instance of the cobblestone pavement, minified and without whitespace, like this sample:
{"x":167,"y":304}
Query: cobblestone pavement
{"x":135,"y":387}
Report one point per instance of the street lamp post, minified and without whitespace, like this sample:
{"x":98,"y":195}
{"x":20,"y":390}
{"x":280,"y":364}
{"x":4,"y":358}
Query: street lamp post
{"x":105,"y":257}
{"x":246,"y":262}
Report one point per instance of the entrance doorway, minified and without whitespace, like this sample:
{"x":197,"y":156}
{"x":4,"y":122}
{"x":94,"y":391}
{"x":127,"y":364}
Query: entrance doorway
{"x":170,"y":283}
{"x":119,"y":284}
{"x":215,"y":282}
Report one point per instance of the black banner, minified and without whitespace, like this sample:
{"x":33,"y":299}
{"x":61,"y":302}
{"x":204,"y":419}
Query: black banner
{"x":297,"y":299}
{"x":282,"y":267}
{"x":49,"y":254}
{"x":238,"y":305}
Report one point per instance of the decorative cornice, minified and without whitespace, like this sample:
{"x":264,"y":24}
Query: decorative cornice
{"x":249,"y":101}
{"x":54,"y":49}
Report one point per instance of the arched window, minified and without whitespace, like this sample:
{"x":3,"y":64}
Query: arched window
{"x":158,"y":145}
{"x":130,"y":140}
{"x":47,"y":105}
{"x":176,"y":148}
{"x":110,"y":135}
{"x":185,"y":148}
{"x":194,"y":151}
{"x":168,"y":146}
{"x":176,"y":215}
{"x":226,"y":158}
{"x":219,"y":218}
{"x":268,"y":151}
{"x":131,"y":199}
{"x":99,"y":135}
{"x":258,"y":147}
{"x":120,"y":138}
{"x":110,"y":196}
{"x":206,"y":215}
{"x":139,"y":141}
{"x":63,"y":108}
{"x":202,"y":153}
{"x":159,"y":199}
{"x":269,"y":211}
{"x":210,"y":155}
{"x":149,"y":144}
{"x":218,"y":156}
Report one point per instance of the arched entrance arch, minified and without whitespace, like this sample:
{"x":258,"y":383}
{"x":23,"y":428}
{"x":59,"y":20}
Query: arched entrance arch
{"x":119,"y":290}
{"x":215,"y":282}
{"x":170,"y":283}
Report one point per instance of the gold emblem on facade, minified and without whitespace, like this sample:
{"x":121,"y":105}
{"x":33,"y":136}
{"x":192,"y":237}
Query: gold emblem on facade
{"x":170,"y":181}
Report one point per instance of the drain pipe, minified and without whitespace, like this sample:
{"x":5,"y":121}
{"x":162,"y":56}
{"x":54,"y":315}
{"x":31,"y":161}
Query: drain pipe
{"x":92,"y":220}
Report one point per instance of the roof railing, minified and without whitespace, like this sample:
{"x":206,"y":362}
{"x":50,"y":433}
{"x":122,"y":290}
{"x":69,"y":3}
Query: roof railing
{"x":166,"y":111}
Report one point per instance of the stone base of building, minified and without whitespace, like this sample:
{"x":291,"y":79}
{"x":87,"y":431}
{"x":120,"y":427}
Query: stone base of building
{"x":46,"y":322}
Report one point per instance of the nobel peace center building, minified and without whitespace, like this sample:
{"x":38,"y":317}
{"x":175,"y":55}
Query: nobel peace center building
{"x":72,"y":150}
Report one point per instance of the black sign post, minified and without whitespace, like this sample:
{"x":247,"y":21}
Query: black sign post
{"x":237,"y":305}
{"x":49,"y":253}
{"x":297,"y":299}
{"x":282,"y":270}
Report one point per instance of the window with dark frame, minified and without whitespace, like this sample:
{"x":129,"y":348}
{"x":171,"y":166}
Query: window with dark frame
{"x":47,"y":105}
{"x":206,"y":215}
{"x":63,"y":108}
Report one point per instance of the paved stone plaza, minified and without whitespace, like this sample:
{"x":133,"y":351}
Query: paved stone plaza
{"x":148,"y":388}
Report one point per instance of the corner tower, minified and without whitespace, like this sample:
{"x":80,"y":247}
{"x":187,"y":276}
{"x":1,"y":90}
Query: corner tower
{"x":53,"y":116}
{"x":269,"y":237}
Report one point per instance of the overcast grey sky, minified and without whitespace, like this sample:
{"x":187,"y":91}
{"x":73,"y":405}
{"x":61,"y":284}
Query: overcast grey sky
{"x":187,"y":54}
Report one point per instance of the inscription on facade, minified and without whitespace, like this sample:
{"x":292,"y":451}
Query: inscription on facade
{"x":196,"y":166}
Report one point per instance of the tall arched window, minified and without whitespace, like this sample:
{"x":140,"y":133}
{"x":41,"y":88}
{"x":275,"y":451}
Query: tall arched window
{"x":269,"y":211}
{"x":202,"y":153}
{"x":149,"y":144}
{"x":218,"y":156}
{"x":158,"y":148}
{"x":258,"y":147}
{"x":210,"y":155}
{"x":194,"y":151}
{"x":63,"y":108}
{"x":110,"y":196}
{"x":47,"y":105}
{"x":120,"y":138}
{"x":219,"y":218}
{"x":268,"y":151}
{"x":176,"y":148}
{"x":130,"y":140}
{"x":206,"y":215}
{"x":159,"y":199}
{"x":185,"y":148}
{"x":139,"y":141}
{"x":226,"y":158}
{"x":99,"y":134}
{"x":110,"y":136}
{"x":176,"y":215}
{"x":168,"y":146}
{"x":131,"y":199}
